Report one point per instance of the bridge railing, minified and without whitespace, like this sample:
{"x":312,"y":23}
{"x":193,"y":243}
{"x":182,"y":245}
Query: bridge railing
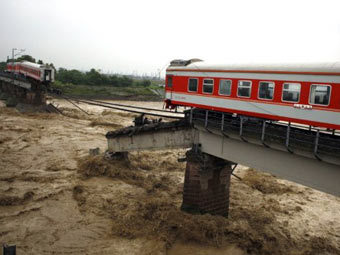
{"x":317,"y":141}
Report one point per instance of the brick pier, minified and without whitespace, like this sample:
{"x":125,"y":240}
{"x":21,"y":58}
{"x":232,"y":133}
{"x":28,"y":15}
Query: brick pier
{"x":36,"y":97}
{"x":206,"y":184}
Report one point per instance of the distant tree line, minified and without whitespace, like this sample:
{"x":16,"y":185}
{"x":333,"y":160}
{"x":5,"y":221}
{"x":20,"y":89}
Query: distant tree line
{"x":76,"y":77}
{"x":93,"y":77}
{"x":2,"y":66}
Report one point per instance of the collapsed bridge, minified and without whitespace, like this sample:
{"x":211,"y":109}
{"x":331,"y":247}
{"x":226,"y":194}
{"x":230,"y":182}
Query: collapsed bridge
{"x":24,"y":90}
{"x":219,"y":142}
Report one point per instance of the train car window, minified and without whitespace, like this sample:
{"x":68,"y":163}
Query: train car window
{"x":224,"y":87}
{"x":266,"y":90}
{"x":193,"y":84}
{"x":169,"y":82}
{"x":291,"y":92}
{"x":244,"y":88}
{"x":320,"y":94}
{"x":208,"y":86}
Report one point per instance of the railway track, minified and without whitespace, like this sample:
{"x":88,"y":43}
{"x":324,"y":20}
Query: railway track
{"x":135,"y":107}
{"x":318,"y":141}
{"x":121,"y":107}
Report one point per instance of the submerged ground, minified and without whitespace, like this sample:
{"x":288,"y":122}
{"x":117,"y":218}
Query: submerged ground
{"x":56,"y":199}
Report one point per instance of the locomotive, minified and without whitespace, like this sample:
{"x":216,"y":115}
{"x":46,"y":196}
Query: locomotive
{"x":39,"y":73}
{"x":307,"y":94}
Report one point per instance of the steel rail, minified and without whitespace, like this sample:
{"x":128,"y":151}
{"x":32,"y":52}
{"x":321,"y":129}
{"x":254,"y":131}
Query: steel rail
{"x":131,"y":106}
{"x":70,"y":101}
{"x":128,"y":110}
{"x":93,"y":102}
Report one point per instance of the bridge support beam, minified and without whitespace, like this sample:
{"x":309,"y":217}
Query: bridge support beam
{"x":206,"y":184}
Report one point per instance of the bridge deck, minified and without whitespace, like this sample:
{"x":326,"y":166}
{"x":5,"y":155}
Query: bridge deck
{"x":298,"y":164}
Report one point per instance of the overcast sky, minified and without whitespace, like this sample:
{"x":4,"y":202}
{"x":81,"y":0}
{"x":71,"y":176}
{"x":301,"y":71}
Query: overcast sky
{"x":130,"y":36}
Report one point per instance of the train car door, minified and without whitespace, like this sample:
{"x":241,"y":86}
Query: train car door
{"x":47,"y":75}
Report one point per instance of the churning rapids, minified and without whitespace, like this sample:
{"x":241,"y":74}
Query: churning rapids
{"x":55,"y":198}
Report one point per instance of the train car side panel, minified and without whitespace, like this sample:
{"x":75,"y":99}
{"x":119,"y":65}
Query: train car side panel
{"x":310,"y":99}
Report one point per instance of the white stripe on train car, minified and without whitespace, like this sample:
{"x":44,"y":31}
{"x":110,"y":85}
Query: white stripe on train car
{"x":260,"y":76}
{"x":261,"y":108}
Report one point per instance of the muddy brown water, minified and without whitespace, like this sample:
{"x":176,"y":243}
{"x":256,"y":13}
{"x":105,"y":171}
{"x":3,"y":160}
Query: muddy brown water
{"x":54,"y":198}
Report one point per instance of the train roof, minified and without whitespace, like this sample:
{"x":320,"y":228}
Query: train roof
{"x":27,"y":63}
{"x":325,"y":68}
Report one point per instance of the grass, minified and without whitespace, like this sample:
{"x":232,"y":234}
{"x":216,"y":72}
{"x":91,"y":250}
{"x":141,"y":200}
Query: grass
{"x":108,"y":92}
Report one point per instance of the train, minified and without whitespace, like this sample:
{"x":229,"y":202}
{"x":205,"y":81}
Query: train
{"x":43,"y":74}
{"x":307,"y":94}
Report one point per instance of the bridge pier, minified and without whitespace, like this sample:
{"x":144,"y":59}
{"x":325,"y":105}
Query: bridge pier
{"x":35,"y":98}
{"x":207,"y":178}
{"x":206,"y":184}
{"x":23,"y":92}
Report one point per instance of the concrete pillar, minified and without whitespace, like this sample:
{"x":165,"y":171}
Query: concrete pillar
{"x":206,"y":184}
{"x":40,"y":98}
{"x":35,"y":98}
{"x":19,"y":93}
{"x":30,"y":97}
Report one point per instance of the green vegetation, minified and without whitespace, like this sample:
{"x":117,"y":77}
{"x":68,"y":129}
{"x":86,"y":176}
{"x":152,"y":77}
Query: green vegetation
{"x":22,"y":58}
{"x":95,"y":78}
{"x":107,"y":92}
{"x":26,"y":58}
{"x":97,"y":85}
{"x":2,"y":66}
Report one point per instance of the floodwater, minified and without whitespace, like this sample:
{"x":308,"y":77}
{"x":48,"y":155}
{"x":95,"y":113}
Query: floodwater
{"x":55,"y":198}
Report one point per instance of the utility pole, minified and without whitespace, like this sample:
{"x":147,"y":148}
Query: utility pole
{"x":13,"y":55}
{"x":14,"y":49}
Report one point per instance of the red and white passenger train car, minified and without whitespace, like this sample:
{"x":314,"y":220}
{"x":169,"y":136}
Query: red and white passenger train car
{"x":39,"y":73}
{"x":301,"y":93}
